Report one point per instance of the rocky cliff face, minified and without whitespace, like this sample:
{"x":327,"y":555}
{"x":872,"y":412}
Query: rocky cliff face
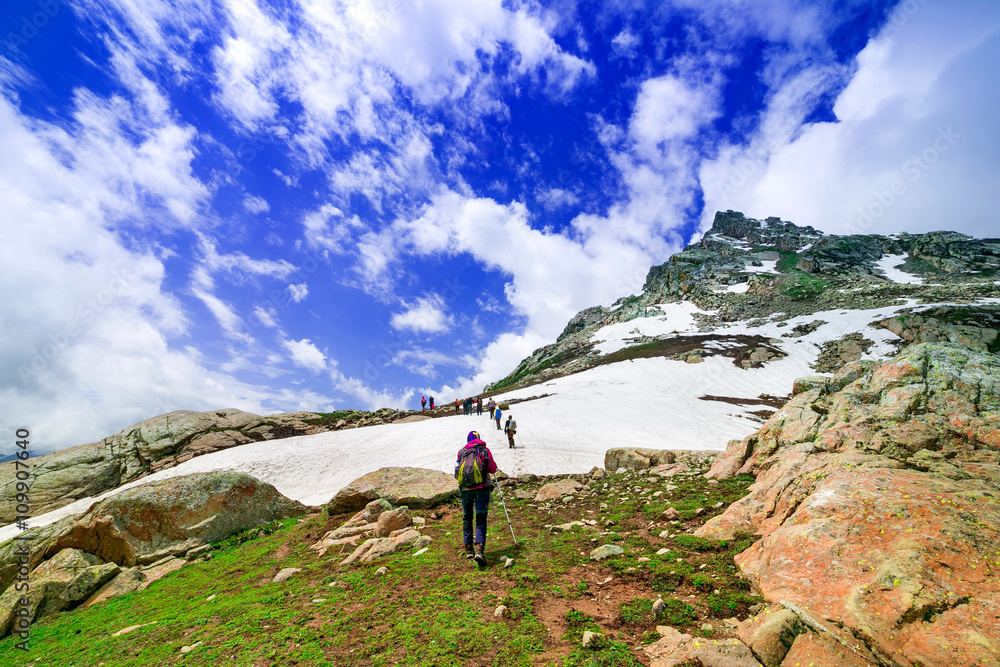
{"x":877,"y":502}
{"x":747,"y":270}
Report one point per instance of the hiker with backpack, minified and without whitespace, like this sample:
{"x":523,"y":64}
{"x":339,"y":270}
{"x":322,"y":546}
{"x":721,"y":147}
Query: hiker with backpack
{"x":496,"y":415}
{"x":423,"y":403}
{"x":479,"y":405}
{"x":432,"y":402}
{"x":472,"y":470}
{"x":510,"y":428}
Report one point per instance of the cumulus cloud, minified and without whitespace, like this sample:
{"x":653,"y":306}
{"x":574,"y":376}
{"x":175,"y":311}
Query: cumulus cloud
{"x":305,"y":354}
{"x":426,"y":315}
{"x":908,"y":150}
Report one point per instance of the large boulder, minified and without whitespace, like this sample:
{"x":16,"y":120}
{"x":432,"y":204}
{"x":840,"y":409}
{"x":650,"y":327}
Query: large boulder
{"x":148,"y":522}
{"x":417,"y":488}
{"x":62,"y":582}
{"x":877,"y":507}
{"x":161,"y":442}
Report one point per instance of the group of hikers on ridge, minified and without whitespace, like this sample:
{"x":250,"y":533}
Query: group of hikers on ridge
{"x":470,"y":405}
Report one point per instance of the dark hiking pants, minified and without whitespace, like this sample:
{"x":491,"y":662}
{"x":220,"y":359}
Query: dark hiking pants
{"x":478,"y":501}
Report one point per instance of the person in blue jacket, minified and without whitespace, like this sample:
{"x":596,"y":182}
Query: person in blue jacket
{"x":496,"y":415}
{"x":476,"y":499}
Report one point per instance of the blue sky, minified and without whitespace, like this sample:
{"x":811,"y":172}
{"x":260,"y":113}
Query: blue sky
{"x":315,"y":205}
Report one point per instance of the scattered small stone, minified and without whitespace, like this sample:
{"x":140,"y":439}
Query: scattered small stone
{"x":700,"y":511}
{"x":713,"y":482}
{"x":606,"y":551}
{"x":703,"y":566}
{"x":423,"y":542}
{"x":211,"y":597}
{"x":500,"y":611}
{"x":418,"y":552}
{"x":318,"y":600}
{"x":382,"y":571}
{"x":658,"y":606}
{"x":665,"y":533}
{"x":643,"y":559}
{"x":419,"y":521}
{"x":509,"y":563}
{"x":670,"y":514}
{"x":188,"y":649}
{"x":707,"y":628}
{"x":125,"y":631}
{"x":591,"y":638}
{"x":718,"y":506}
{"x":284,"y":574}
{"x":662,"y":552}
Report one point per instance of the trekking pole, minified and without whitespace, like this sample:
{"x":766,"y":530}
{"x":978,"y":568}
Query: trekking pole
{"x":509,"y":524}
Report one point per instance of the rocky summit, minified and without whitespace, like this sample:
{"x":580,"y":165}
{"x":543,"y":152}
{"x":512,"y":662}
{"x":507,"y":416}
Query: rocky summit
{"x":751,"y":271}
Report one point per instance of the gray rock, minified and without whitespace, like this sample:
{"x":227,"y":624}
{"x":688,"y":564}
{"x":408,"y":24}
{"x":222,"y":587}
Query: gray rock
{"x":417,"y":488}
{"x":606,"y":551}
{"x":284,"y":574}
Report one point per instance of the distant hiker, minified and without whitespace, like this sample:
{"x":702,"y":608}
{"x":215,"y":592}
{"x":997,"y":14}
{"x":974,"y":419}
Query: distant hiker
{"x":496,"y":415}
{"x":479,"y":405}
{"x":423,"y":403}
{"x":492,"y":405}
{"x":510,"y":428}
{"x":432,"y":402}
{"x":457,"y":406}
{"x":472,"y":470}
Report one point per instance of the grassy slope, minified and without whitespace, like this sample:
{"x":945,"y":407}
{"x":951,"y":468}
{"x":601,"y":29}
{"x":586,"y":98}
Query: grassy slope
{"x":434,"y":609}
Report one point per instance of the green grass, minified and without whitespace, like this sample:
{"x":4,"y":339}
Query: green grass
{"x":800,"y":286}
{"x":436,"y":609}
{"x":787,"y":261}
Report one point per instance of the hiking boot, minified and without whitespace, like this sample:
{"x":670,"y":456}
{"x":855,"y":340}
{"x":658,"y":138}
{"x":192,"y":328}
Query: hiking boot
{"x":480,"y":556}
{"x":469,"y":552}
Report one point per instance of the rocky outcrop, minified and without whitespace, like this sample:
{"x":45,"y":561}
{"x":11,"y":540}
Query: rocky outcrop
{"x":60,"y":583}
{"x":414,"y":487}
{"x":142,"y":529}
{"x":974,"y":326}
{"x":876,"y":503}
{"x":164,"y":441}
{"x":636,"y":459}
{"x":837,"y":353}
{"x":148,"y":522}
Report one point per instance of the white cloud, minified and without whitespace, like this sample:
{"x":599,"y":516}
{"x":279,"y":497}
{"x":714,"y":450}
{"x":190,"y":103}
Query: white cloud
{"x":267,"y":316}
{"x":305,"y":354}
{"x":370,"y":398}
{"x":914,"y":146}
{"x":425,"y":315}
{"x":425,"y":362}
{"x":556,"y":198}
{"x":666,"y":109}
{"x":256,"y":204}
{"x":298,"y":292}
{"x":329,"y":230}
{"x":626,"y":43}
